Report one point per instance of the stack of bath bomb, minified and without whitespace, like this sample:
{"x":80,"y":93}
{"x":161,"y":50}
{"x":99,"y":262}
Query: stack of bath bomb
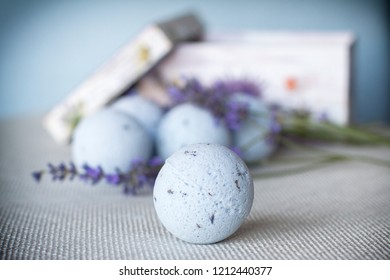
{"x":118,"y":135}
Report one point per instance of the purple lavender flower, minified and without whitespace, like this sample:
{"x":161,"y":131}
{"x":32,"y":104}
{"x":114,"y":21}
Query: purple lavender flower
{"x":274,"y":129}
{"x":72,"y":171}
{"x":129,"y":189}
{"x":91,"y":174}
{"x":217,"y":98}
{"x":323,"y":117}
{"x":236,"y":112}
{"x":236,"y":150}
{"x":176,"y":94}
{"x":37,"y":175}
{"x":52,"y":169}
{"x":62,"y":167}
{"x":232,"y":86}
{"x":136,"y":163}
{"x":113,"y":179}
{"x":192,"y":91}
{"x":141,"y":179}
{"x":196,"y":86}
{"x":57,"y":172}
{"x":156,"y":161}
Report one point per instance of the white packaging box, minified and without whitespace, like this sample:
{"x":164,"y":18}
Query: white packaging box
{"x":120,"y":72}
{"x":297,"y":70}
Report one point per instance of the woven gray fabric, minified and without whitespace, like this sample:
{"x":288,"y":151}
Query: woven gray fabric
{"x":339,"y":211}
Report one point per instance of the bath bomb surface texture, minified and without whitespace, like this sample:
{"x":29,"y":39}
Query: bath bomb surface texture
{"x":145,"y":111}
{"x":110,"y":140}
{"x":188,"y":124}
{"x":203,"y":193}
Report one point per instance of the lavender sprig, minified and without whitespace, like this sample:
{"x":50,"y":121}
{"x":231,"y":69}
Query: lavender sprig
{"x":232,"y":86}
{"x":217,"y":98}
{"x":300,"y":126}
{"x":275,"y":128}
{"x":142,"y":174}
{"x":236,"y":113}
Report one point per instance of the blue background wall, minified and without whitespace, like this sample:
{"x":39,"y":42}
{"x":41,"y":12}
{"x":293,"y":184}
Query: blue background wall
{"x":49,"y":47}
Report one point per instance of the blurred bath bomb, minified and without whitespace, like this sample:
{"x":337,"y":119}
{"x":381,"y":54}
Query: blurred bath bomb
{"x":252,"y":138}
{"x":253,"y":141}
{"x":188,"y":124}
{"x":256,"y":107}
{"x":203,"y":193}
{"x":110,"y":140}
{"x":145,"y":111}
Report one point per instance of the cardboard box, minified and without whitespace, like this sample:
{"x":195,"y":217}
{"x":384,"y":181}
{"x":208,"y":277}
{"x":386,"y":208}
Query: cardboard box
{"x":120,"y":72}
{"x":297,"y":70}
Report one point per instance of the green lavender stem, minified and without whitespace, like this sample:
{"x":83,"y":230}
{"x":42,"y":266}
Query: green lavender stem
{"x":306,"y":129}
{"x":300,"y":169}
{"x":322,"y":159}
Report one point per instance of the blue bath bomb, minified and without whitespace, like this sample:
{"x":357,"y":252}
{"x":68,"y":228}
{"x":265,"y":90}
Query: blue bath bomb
{"x":256,"y":107}
{"x":145,"y":111}
{"x":253,"y":141}
{"x":252,"y":137}
{"x":203,"y":193}
{"x":188,"y":124}
{"x":110,"y":140}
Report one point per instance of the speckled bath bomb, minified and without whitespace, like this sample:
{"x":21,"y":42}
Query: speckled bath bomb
{"x":145,"y":111}
{"x":111,"y":140}
{"x":203,"y":193}
{"x":188,"y":124}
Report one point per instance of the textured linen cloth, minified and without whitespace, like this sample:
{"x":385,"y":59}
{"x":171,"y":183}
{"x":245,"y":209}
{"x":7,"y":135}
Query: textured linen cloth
{"x":337,"y":211}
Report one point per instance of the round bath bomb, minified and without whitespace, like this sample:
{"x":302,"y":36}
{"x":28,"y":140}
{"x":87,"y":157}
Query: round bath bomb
{"x":110,"y":140}
{"x":203,"y":193}
{"x":188,"y":124}
{"x":256,"y":107}
{"x":252,"y":136}
{"x":253,"y":141}
{"x":145,"y":111}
